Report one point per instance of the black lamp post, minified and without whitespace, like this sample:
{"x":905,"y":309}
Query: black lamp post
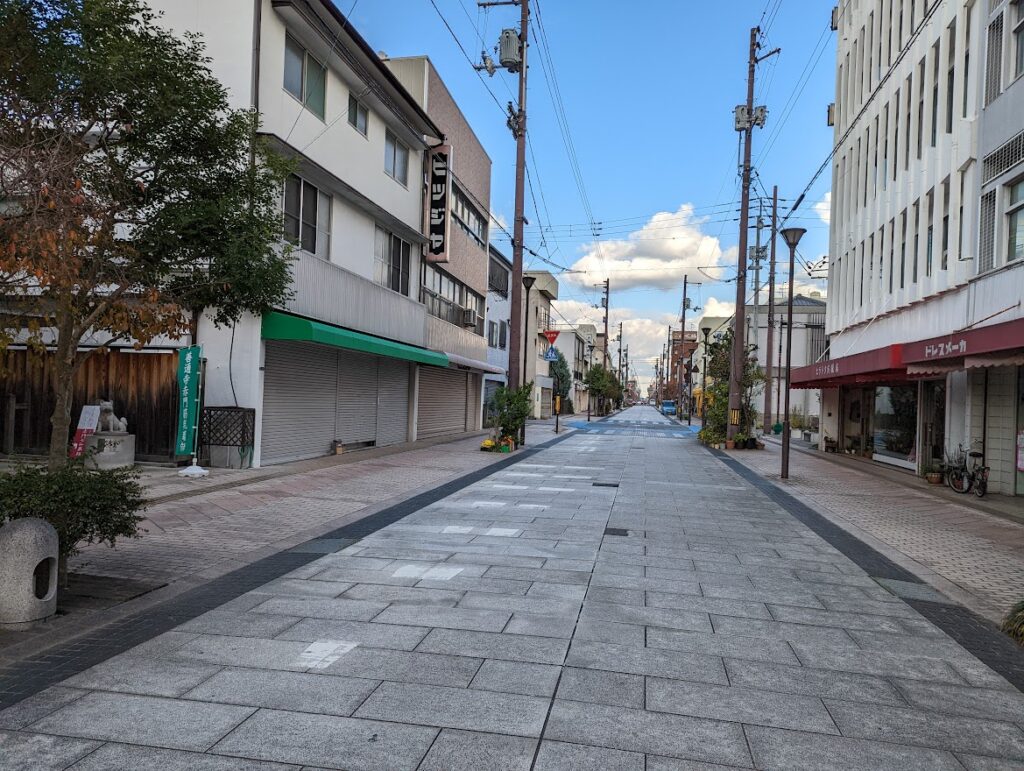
{"x":706,"y":331}
{"x":792,"y":237}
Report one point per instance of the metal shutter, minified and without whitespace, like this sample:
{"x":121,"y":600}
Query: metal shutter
{"x":473,"y":410}
{"x":298,"y":401}
{"x":392,"y":401}
{"x":442,"y":402}
{"x":355,"y":419}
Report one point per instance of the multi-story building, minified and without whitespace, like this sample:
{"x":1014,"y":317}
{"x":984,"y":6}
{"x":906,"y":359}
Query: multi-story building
{"x":924,"y":318}
{"x":808,"y":347}
{"x":377,"y":345}
{"x":573,"y":345}
{"x":497,"y":317}
{"x":537,"y":310}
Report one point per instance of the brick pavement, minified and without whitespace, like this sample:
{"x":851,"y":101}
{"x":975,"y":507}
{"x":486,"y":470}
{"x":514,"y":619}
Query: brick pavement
{"x":980,"y":554}
{"x":504,"y":627}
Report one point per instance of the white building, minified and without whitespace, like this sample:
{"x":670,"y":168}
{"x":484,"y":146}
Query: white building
{"x":925,"y":320}
{"x":572,"y":342}
{"x":498,"y":317}
{"x":354,"y":359}
{"x":537,"y":313}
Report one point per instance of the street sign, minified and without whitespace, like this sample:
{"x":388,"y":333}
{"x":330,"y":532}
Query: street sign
{"x":551,"y":335}
{"x":87,"y":422}
{"x":550,"y":354}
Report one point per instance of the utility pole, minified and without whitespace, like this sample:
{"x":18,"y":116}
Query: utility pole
{"x":757,"y":268}
{"x":771,"y":315}
{"x":606,"y":355}
{"x":618,"y":371}
{"x":682,"y":342}
{"x":517,"y":121}
{"x":746,"y":118}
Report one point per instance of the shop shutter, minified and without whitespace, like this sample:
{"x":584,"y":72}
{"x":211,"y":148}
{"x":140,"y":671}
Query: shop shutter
{"x":298,"y":401}
{"x":442,"y":402}
{"x":473,"y":411}
{"x":392,"y":401}
{"x":355,"y":419}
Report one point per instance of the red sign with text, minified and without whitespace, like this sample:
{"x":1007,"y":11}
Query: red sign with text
{"x":551,"y":335}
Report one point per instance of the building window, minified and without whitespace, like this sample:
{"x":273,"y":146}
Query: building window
{"x":916,"y":224}
{"x":304,"y":77}
{"x":1015,"y":221}
{"x":467,"y":216}
{"x":994,"y":60}
{"x":307,"y":216}
{"x":935,"y":94}
{"x":358,"y":115}
{"x":1018,"y":39}
{"x":396,"y":158}
{"x":967,"y":58}
{"x":903,"y":249}
{"x":448,"y":298}
{"x":950,"y":75}
{"x":929,"y":235}
{"x":497,"y":334}
{"x":945,"y":224}
{"x":492,"y":334}
{"x":497,"y":278}
{"x":391,"y":261}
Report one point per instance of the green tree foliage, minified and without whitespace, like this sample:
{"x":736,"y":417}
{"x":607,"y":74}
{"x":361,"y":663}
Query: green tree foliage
{"x":603,"y":386}
{"x":131,"y":195}
{"x":717,"y":396}
{"x":83,"y":505}
{"x":512,"y":407}
{"x":559,"y":370}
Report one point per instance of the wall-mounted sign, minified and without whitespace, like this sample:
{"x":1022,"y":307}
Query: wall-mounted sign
{"x":439,"y":204}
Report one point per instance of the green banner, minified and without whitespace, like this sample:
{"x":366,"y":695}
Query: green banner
{"x":188,"y":399}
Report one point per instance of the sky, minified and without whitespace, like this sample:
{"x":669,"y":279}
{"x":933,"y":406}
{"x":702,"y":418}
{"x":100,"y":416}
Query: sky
{"x":633,"y":156}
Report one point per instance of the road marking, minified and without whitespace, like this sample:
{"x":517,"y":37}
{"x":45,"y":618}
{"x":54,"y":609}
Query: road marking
{"x":584,"y":468}
{"x":511,"y":487}
{"x":522,"y":474}
{"x":457,"y":529}
{"x":557,"y":489}
{"x":477,"y":504}
{"x":531,"y":506}
{"x":322,"y":653}
{"x":572,"y":476}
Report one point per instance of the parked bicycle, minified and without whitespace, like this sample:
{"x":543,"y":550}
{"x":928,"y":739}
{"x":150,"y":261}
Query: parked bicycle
{"x":963,"y":478}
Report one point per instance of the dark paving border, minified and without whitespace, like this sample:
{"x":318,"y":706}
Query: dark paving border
{"x":974,"y":633}
{"x":29,"y":676}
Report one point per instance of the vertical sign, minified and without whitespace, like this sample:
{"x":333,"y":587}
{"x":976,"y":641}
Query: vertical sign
{"x":439,"y":204}
{"x":87,"y":422}
{"x":188,"y":399}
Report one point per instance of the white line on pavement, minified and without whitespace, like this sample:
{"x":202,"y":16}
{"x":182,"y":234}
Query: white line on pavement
{"x":322,"y":653}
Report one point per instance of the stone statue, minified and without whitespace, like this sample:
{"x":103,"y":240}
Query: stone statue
{"x":109,"y":422}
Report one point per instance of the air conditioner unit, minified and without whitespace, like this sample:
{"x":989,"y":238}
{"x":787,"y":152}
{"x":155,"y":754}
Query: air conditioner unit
{"x":470,"y":317}
{"x":510,"y":50}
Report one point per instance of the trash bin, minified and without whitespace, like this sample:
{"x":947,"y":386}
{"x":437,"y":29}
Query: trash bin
{"x":28,"y":572}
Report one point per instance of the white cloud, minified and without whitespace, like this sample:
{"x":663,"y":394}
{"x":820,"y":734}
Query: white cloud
{"x":644,"y":335}
{"x":823,"y":208}
{"x":658,"y":255}
{"x":499,"y":219}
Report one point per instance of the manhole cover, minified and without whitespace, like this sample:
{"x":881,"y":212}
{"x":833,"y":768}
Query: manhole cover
{"x":616,"y":531}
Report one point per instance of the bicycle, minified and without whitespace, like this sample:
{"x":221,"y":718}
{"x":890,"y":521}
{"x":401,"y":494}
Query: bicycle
{"x":962,"y":478}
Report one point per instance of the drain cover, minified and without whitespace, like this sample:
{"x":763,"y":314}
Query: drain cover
{"x":616,"y":531}
{"x":606,"y":484}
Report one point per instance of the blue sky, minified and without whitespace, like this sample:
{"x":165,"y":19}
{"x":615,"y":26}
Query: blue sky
{"x":648,"y":91}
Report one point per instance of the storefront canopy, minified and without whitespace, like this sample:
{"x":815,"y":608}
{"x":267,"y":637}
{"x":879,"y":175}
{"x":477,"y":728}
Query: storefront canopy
{"x":996,"y":345}
{"x":480,"y":366}
{"x":284,"y":326}
{"x":881,"y":365}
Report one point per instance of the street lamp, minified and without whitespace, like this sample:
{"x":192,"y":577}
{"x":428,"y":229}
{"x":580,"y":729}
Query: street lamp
{"x":706,"y":331}
{"x":792,"y":237}
{"x":590,"y":366}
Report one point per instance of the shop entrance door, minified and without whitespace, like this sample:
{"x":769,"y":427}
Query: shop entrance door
{"x":857,"y":409}
{"x":933,"y":424}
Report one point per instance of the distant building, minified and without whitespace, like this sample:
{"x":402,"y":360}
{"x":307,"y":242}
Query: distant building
{"x":535,"y":344}
{"x":497,"y":318}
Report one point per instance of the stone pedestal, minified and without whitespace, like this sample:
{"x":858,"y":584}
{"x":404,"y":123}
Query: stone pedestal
{"x":111,"y":449}
{"x":28,"y":572}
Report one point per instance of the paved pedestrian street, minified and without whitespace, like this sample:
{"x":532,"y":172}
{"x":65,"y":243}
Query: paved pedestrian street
{"x":622,"y":599}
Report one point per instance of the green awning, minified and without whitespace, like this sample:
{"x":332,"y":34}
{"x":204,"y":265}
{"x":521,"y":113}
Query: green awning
{"x":283,"y":326}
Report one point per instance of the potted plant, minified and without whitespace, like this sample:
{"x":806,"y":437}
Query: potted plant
{"x":934,"y":475}
{"x":730,"y":444}
{"x":1013,"y":623}
{"x":740,"y":440}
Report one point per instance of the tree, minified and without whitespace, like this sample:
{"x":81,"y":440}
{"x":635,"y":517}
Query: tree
{"x":604,"y":385}
{"x":559,"y":370}
{"x":717,"y":395}
{"x":131,"y":196}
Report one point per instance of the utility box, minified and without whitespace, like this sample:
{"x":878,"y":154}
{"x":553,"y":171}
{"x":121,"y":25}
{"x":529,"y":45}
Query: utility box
{"x":510,"y":50}
{"x":28,"y":572}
